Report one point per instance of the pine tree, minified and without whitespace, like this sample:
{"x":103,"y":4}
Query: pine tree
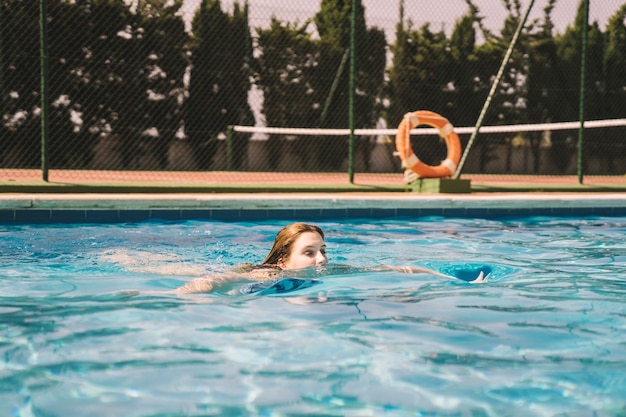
{"x":333,"y":23}
{"x":220,"y":77}
{"x":615,"y":65}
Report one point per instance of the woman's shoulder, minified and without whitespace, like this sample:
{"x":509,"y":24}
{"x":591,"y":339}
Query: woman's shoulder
{"x":257,"y":271}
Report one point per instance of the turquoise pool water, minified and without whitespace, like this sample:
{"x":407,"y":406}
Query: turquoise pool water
{"x":545,"y":337}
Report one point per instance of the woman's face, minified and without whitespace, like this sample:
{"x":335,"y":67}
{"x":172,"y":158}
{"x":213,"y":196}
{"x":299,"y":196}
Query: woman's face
{"x":308,"y":250}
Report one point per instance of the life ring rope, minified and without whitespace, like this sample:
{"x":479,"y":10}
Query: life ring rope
{"x":446,"y":131}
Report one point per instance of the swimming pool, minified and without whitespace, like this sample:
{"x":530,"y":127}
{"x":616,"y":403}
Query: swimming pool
{"x":545,"y":337}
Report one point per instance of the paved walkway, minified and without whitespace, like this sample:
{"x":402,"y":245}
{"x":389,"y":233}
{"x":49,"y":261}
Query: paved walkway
{"x":24,"y":189}
{"x":67,"y":181}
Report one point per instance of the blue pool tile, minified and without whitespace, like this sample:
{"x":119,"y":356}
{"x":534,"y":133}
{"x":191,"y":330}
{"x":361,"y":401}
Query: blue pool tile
{"x":196,"y":214}
{"x":481,"y":213}
{"x":134,"y":215}
{"x":427,"y":212}
{"x":355,"y":213}
{"x":494,"y":213}
{"x":381,"y":213}
{"x":333,"y":213}
{"x":534,"y":211}
{"x":455,"y":212}
{"x":283,"y":214}
{"x":522,"y":212}
{"x":408,"y":212}
{"x":226,"y":214}
{"x":7,"y":216}
{"x":603,"y":211}
{"x":102,"y":216}
{"x":165,"y":214}
{"x":561,"y":211}
{"x":29,"y":215}
{"x":68,"y":216}
{"x":306,"y":214}
{"x":255,"y":214}
{"x":32,"y":216}
{"x":578,"y":211}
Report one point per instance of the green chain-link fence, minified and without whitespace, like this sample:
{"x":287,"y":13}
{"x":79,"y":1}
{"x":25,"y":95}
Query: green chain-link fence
{"x":153,"y":85}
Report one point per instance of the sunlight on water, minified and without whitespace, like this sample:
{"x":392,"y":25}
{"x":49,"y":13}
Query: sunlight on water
{"x":87,"y":326}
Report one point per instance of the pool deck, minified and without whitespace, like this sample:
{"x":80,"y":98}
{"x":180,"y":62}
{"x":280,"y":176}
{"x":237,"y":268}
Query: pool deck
{"x":67,"y":181}
{"x":270,"y":195}
{"x":277,"y":200}
{"x":111,"y":207}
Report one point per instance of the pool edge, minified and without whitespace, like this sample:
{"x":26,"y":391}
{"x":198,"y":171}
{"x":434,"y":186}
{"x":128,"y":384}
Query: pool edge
{"x":55,"y":208}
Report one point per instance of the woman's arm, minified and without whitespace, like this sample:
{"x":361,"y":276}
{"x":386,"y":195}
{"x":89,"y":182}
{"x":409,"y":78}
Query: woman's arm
{"x":207,"y":283}
{"x":196,"y":285}
{"x":153,"y":263}
{"x":418,"y":270}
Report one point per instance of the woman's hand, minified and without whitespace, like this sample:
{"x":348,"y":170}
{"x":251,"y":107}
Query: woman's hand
{"x":480,"y":279}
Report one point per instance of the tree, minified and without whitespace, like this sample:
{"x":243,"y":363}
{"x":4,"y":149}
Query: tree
{"x":333,"y":23}
{"x":542,"y":70}
{"x":20,"y":99}
{"x":542,"y":77}
{"x":164,"y":63}
{"x":402,"y":74}
{"x":569,"y":47}
{"x":287,"y":56}
{"x":284,"y":66}
{"x":615,"y":64}
{"x":463,"y":104}
{"x":221,"y":55}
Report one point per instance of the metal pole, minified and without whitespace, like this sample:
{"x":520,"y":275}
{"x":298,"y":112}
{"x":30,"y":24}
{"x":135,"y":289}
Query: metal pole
{"x":351,"y":93}
{"x":43,"y":62}
{"x":492,"y":92}
{"x":583,"y":76}
{"x":230,"y":131}
{"x":1,"y":63}
{"x":333,"y":87}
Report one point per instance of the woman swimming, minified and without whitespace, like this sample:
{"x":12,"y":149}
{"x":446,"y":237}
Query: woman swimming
{"x":297,"y":247}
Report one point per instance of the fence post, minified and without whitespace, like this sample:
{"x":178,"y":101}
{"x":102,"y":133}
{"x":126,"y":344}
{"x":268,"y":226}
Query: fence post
{"x":583,"y":76}
{"x":1,"y":63}
{"x":43,"y":62}
{"x":351,"y":93}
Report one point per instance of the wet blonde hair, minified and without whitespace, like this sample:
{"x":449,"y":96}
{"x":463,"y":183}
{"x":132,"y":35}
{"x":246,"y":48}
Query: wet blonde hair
{"x":283,"y":243}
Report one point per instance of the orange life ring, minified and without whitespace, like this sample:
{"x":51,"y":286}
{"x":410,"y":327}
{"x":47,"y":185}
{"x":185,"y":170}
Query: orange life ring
{"x":410,"y":161}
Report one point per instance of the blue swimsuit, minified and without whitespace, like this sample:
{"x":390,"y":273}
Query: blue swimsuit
{"x":278,"y":286}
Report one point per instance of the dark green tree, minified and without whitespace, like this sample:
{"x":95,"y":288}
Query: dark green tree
{"x":220,"y":77}
{"x":111,"y":72}
{"x":542,"y":70}
{"x":403,"y":74}
{"x":93,"y":71}
{"x":115,"y":73}
{"x":510,"y":103}
{"x":569,"y":47}
{"x":615,"y":65}
{"x":164,"y":62}
{"x":542,"y":77}
{"x":20,"y":100}
{"x":286,"y":59}
{"x":333,"y":23}
{"x":462,"y":103}
{"x":283,"y":70}
{"x":422,"y":76}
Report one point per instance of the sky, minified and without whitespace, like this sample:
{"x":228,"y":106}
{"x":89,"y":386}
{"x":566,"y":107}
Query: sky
{"x":441,"y":14}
